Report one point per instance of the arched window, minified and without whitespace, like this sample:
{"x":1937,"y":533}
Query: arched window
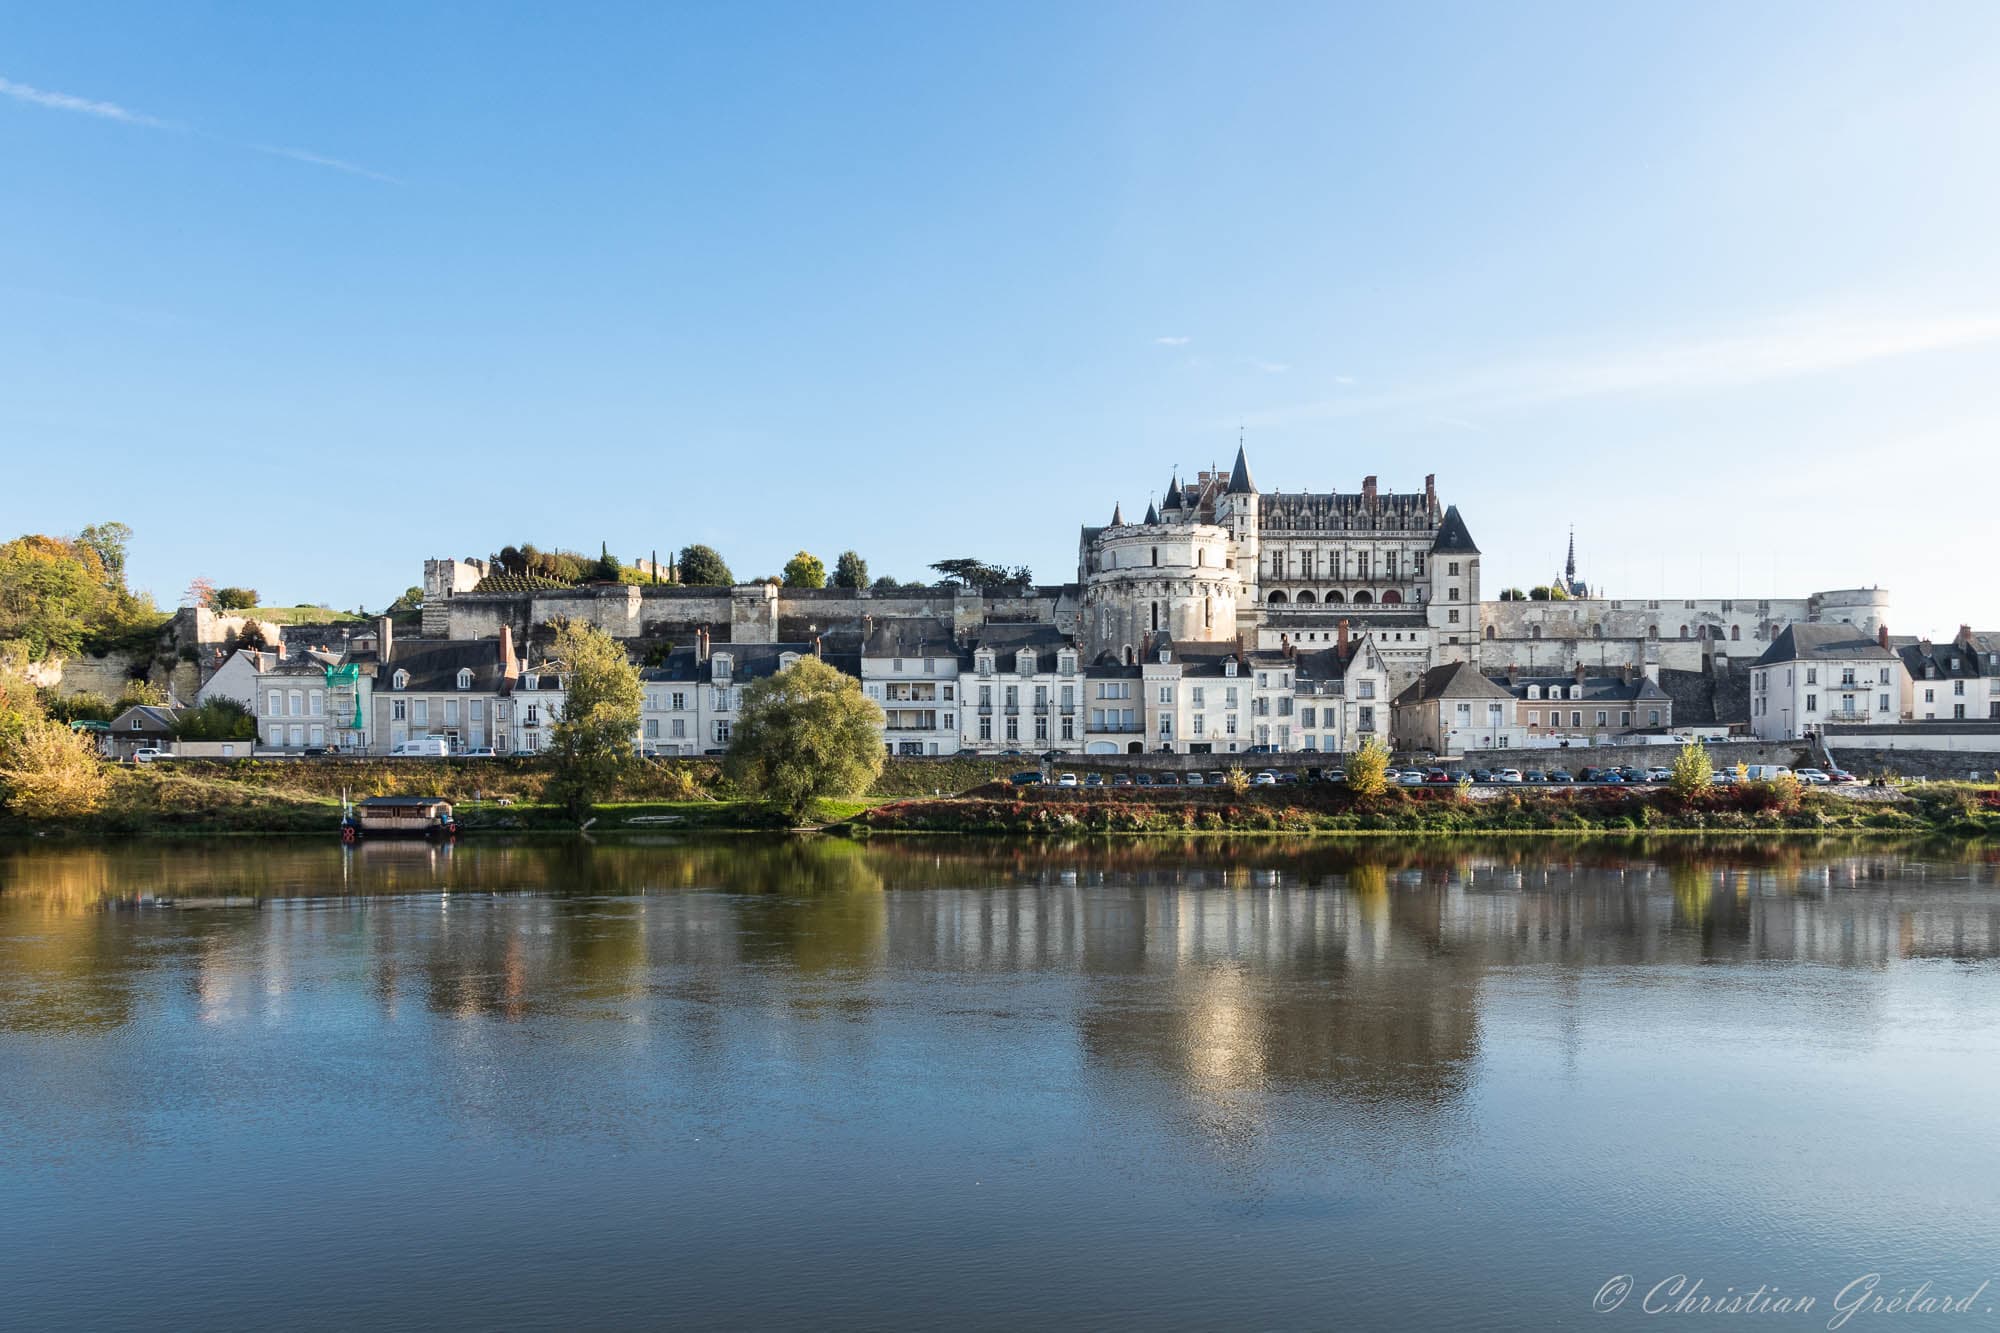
{"x":1534,"y":631}
{"x":1684,"y":631}
{"x":1305,"y":596}
{"x":1156,"y":555}
{"x":1335,"y":596}
{"x":1652,"y":631}
{"x":400,"y":680}
{"x":1392,"y":598}
{"x":1156,"y":617}
{"x":1128,"y":654}
{"x":1278,"y":598}
{"x":1735,"y":632}
{"x":1489,"y":629}
{"x":1362,"y":598}
{"x":465,"y":678}
{"x":1597,"y":631}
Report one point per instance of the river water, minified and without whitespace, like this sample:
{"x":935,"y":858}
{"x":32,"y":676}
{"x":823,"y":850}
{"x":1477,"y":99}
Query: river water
{"x":1170,"y":1084}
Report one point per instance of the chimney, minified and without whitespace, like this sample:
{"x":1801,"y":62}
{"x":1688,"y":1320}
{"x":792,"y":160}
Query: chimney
{"x":1579,"y":673}
{"x":701,"y":645}
{"x":867,"y":629}
{"x":508,"y":669}
{"x":1342,"y":642}
{"x":1965,"y":636}
{"x":817,"y":647}
{"x":1368,"y":489}
{"x":1431,"y":492}
{"x":1513,"y":672}
{"x":385,"y":638}
{"x":1882,"y":636}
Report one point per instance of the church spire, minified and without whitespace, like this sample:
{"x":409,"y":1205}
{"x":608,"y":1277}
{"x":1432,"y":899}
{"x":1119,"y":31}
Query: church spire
{"x":1569,"y":569}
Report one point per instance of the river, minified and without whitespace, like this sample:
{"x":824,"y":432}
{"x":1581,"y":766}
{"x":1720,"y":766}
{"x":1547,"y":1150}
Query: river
{"x":1172,"y":1084}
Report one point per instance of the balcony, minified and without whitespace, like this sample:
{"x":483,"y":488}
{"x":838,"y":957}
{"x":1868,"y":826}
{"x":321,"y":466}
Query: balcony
{"x":1848,"y":715}
{"x":1116,"y":728}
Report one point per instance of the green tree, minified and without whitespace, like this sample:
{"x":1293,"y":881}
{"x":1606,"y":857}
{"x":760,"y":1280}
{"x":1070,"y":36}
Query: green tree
{"x":49,"y":595}
{"x":592,"y":741}
{"x":217,"y":720}
{"x":137,"y":693}
{"x":1691,"y":773}
{"x":233,"y":599}
{"x":1513,"y":595}
{"x":970,"y":573}
{"x":1542,"y":592}
{"x":850,"y":571}
{"x":805,"y":570}
{"x":411,"y":600}
{"x":107,"y":541}
{"x":1368,"y":768}
{"x":804,"y":733}
{"x":701,"y":567}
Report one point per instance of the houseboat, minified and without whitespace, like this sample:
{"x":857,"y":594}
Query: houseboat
{"x":398,"y":817}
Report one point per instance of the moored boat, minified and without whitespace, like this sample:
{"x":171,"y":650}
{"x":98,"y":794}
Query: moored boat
{"x":398,"y":817}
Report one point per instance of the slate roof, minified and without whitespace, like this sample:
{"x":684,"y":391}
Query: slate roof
{"x":434,"y":665}
{"x":1809,"y":643}
{"x":1596,"y":689}
{"x":152,"y":720}
{"x":1452,"y":537}
{"x":1239,"y":476}
{"x":747,"y":661}
{"x":910,"y":636}
{"x":1934,"y":661}
{"x":1009,"y":641}
{"x":1456,"y":680}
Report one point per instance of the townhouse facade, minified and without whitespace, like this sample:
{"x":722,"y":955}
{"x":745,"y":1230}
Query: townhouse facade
{"x":1951,"y":682}
{"x":1819,"y":675}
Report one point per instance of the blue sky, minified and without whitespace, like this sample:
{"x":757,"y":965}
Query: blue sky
{"x":306,"y":295}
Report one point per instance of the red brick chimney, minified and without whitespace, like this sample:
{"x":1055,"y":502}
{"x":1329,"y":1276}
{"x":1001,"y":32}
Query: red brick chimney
{"x":701,"y":645}
{"x":1882,"y":636}
{"x":1368,"y":489}
{"x":1579,"y":673}
{"x":1965,"y":636}
{"x":1343,"y":637}
{"x":1513,"y":672}
{"x":509,"y":668}
{"x":1431,"y":491}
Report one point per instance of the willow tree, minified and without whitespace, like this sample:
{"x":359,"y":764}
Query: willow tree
{"x":804,"y":733}
{"x":595,"y":738}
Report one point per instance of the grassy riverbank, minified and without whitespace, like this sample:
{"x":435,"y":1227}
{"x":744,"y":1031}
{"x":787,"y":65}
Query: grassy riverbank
{"x":1958,"y":810}
{"x":199,"y":798}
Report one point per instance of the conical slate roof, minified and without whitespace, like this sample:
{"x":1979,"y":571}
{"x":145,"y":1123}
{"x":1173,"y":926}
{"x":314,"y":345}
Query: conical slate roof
{"x":1117,"y":515}
{"x":1173,"y":500}
{"x":1152,"y":514}
{"x":1239,"y":476}
{"x":1452,"y":535}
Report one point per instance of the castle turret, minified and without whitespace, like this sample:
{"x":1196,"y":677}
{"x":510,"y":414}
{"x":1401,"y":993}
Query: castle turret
{"x":1453,"y":604}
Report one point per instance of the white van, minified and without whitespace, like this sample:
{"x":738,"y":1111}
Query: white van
{"x":1764,"y":772}
{"x":423,"y":747}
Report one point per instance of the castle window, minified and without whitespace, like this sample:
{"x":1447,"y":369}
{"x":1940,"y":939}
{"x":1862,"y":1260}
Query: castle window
{"x":1362,"y":598}
{"x":1735,"y":631}
{"x":1652,"y":631}
{"x":465,"y":678}
{"x":1489,"y":629}
{"x":1156,"y":555}
{"x":1392,"y":598}
{"x":1278,"y":598}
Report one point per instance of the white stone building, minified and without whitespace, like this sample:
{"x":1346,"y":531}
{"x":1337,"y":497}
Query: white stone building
{"x":1815,"y":675}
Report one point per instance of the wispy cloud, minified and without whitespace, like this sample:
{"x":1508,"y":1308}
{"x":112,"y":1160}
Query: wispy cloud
{"x":1173,"y":341}
{"x":1787,"y":348}
{"x":1271,"y":367}
{"x":85,"y":106}
{"x":1343,"y":379}
{"x":317,"y":160}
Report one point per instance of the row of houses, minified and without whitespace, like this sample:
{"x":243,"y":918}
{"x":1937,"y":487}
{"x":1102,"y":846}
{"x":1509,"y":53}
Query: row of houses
{"x":1817,"y":676}
{"x":1028,"y":688}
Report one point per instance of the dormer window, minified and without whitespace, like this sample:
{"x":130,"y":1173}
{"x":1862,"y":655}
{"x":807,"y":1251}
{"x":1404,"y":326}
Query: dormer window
{"x":465,"y":678}
{"x":1229,"y":667}
{"x":1534,"y":691}
{"x":400,"y":680}
{"x":722,"y":663}
{"x":1024,"y":664}
{"x":785,"y":661}
{"x":1066,"y":663}
{"x":1165,"y":656}
{"x":985,"y":664}
{"x":1954,"y":664}
{"x":531,"y":681}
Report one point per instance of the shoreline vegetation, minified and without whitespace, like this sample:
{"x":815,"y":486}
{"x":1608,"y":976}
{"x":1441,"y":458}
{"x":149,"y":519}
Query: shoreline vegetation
{"x":971,"y":797}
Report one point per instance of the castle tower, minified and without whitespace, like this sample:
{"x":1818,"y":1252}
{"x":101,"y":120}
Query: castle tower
{"x":1238,"y":512}
{"x":1452,"y":608}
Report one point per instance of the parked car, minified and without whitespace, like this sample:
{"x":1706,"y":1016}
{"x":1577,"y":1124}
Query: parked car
{"x":1068,"y":780}
{"x":1658,"y":774}
{"x":146,"y":754}
{"x":1765,"y":772}
{"x":1167,"y":779}
{"x":1393,"y":774}
{"x":1723,"y":777}
{"x":423,"y":747}
{"x":1535,"y":775}
{"x":1030,"y":778}
{"x":1560,"y":775}
{"x":481,"y":752}
{"x":1507,"y":776}
{"x":1093,"y":779}
{"x":1817,"y":777}
{"x":1264,"y":778}
{"x":1143,"y":779}
{"x":1841,"y":775}
{"x":1288,"y":778}
{"x":1334,"y":775}
{"x":1121,"y":780}
{"x":1436,"y":775}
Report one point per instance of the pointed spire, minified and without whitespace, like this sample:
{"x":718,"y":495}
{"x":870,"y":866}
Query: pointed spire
{"x":1174,"y":500}
{"x":1239,"y":476}
{"x":1117,"y":515}
{"x":1152,"y":513}
{"x":1569,"y":570}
